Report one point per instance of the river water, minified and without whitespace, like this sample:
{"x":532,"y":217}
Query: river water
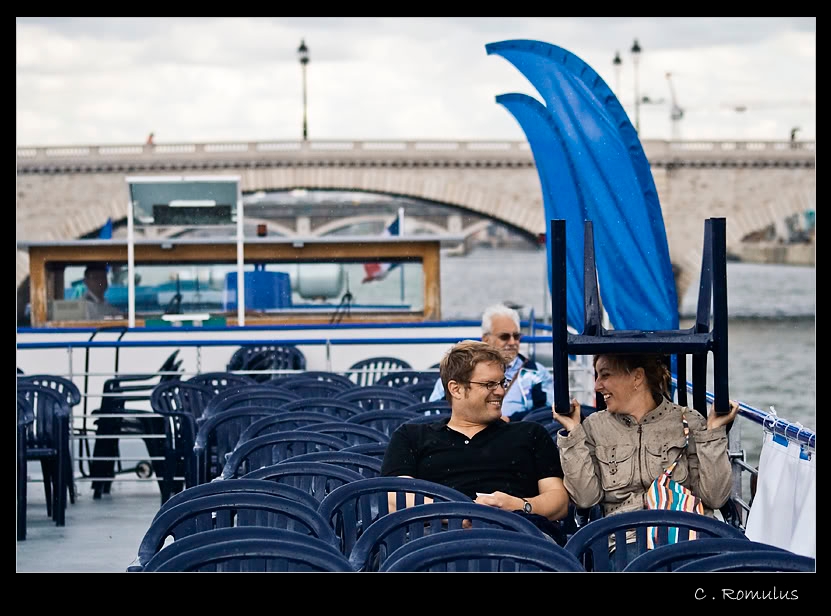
{"x":771,"y":323}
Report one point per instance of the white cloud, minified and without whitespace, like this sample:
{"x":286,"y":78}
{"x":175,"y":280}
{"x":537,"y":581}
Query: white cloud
{"x":113,"y":80}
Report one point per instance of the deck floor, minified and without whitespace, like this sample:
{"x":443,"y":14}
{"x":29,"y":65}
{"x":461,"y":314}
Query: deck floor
{"x":99,"y":536}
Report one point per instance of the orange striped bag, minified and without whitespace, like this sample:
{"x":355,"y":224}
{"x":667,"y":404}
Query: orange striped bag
{"x":666,"y":493}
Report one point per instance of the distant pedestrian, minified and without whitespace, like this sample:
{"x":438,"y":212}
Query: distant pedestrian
{"x":794,"y":130}
{"x":150,"y":139}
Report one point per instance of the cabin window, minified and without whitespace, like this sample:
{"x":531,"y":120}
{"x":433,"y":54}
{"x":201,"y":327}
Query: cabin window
{"x":270,"y":288}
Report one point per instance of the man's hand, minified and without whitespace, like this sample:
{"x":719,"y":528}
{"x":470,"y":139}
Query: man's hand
{"x":500,"y":500}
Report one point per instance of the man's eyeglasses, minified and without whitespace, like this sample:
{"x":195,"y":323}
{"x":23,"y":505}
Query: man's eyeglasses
{"x":505,"y":337}
{"x":491,"y":385}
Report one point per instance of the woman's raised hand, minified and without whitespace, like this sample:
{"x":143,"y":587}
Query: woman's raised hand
{"x":572,"y":419}
{"x":716,"y":421}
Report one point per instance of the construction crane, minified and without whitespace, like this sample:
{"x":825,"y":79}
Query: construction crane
{"x":676,"y":113}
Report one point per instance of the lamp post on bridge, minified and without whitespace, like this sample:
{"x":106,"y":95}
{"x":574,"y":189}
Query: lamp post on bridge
{"x":636,"y":58}
{"x":303,"y":55}
{"x":617,"y":62}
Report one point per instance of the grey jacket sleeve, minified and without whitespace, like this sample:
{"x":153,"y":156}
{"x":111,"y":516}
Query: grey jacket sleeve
{"x":710,"y":471}
{"x":577,"y":458}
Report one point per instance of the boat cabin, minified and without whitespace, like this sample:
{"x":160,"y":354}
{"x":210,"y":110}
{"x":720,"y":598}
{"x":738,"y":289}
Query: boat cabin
{"x":189,"y":257}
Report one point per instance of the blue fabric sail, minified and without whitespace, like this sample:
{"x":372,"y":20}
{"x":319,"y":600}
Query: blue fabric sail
{"x":560,"y":196}
{"x":612,"y":175}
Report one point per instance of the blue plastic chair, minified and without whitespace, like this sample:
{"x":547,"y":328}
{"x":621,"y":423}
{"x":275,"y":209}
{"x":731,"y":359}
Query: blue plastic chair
{"x":352,"y":507}
{"x":404,"y":378}
{"x":270,"y":449}
{"x":248,"y":549}
{"x":224,"y":510}
{"x":367,"y":371}
{"x":181,"y":403}
{"x":320,"y":375}
{"x":283,"y":421}
{"x":219,"y":436}
{"x":422,"y":389}
{"x":376,"y":450}
{"x":47,"y":440}
{"x":337,"y":409}
{"x":489,"y":550}
{"x":429,"y":418}
{"x":385,"y":420}
{"x":670,"y":557}
{"x":25,"y":419}
{"x":378,"y":397}
{"x":756,"y":561}
{"x":220,"y":381}
{"x":307,"y":387}
{"x":256,"y":486}
{"x":246,"y":395}
{"x":590,"y":544}
{"x":352,"y":433}
{"x":390,"y":532}
{"x":315,"y":478}
{"x":367,"y":466}
{"x":435,"y":407}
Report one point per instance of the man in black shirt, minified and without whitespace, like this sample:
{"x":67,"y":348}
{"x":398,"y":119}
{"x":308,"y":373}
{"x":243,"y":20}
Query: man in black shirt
{"x":512,"y":466}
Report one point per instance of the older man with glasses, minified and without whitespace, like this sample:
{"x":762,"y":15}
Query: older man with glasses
{"x":531,"y":385}
{"x":511,"y":466}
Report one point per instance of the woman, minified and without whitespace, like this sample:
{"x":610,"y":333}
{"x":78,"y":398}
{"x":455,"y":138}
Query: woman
{"x":612,"y":457}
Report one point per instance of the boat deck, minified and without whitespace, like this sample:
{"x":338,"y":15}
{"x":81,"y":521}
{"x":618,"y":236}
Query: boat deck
{"x":99,"y":536}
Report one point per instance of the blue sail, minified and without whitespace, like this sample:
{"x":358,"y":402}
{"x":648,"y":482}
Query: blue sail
{"x":560,"y":196}
{"x":612,"y":174}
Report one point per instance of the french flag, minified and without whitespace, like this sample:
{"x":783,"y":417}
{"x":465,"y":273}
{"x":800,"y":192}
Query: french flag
{"x":379,"y":271}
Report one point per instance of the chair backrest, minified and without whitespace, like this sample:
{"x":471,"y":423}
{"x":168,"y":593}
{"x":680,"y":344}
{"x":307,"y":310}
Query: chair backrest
{"x":310,"y":387}
{"x":429,"y":408}
{"x":219,"y":381}
{"x":590,"y":544}
{"x":320,"y":375}
{"x":390,"y":532}
{"x":315,"y":478}
{"x":352,"y":433}
{"x":366,"y":465}
{"x":755,"y":560}
{"x":50,"y":412}
{"x":181,"y":397}
{"x":247,"y":395}
{"x":422,"y":389}
{"x":248,"y":549}
{"x":352,"y":507}
{"x":378,"y":397}
{"x":488,"y":550}
{"x":256,"y":486}
{"x":281,"y":357}
{"x":219,"y":435}
{"x":282,"y":421}
{"x":337,"y":409}
{"x":670,"y":557}
{"x":227,"y":509}
{"x":375,"y":450}
{"x":405,"y":378}
{"x":270,"y":449}
{"x":385,"y":420}
{"x":368,"y":371}
{"x":429,"y":418}
{"x":58,"y":383}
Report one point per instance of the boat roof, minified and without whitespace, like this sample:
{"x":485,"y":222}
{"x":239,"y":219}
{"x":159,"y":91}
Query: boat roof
{"x":294,"y":241}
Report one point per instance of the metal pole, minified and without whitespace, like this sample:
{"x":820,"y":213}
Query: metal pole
{"x":305,"y":128}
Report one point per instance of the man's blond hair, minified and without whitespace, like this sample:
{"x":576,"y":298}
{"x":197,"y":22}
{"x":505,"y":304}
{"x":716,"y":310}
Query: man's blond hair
{"x":461,"y":360}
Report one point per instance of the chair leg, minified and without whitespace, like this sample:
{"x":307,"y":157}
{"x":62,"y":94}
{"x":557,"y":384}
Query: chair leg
{"x":47,"y":486}
{"x":21,"y":487}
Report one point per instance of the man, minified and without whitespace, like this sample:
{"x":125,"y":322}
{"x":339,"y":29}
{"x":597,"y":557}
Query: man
{"x":95,"y":280}
{"x":531,"y":384}
{"x":511,"y":466}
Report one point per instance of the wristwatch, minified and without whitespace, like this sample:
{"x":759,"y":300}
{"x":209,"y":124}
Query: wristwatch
{"x":527,"y":506}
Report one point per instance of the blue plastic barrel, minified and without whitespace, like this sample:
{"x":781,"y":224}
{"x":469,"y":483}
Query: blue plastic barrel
{"x":263,"y":290}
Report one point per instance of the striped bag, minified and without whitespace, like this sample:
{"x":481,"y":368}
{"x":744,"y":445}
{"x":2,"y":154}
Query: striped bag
{"x":666,"y":493}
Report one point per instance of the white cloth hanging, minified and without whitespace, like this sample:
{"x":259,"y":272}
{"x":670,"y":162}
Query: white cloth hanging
{"x":784,"y":510}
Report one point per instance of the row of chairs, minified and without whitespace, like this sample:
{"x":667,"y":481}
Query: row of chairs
{"x":354,"y":522}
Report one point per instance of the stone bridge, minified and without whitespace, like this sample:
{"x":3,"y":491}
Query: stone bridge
{"x":68,"y":192}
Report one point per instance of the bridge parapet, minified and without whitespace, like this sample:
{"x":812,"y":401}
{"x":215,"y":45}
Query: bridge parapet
{"x":659,"y":153}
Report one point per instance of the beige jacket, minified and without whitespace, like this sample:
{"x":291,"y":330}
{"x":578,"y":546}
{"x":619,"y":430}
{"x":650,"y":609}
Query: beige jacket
{"x":612,"y":459}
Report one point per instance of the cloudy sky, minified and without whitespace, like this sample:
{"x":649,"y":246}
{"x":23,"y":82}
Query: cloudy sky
{"x":114,"y":80}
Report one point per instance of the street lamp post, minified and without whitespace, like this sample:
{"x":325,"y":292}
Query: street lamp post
{"x":636,"y":57}
{"x":303,"y":54}
{"x":617,"y":63}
